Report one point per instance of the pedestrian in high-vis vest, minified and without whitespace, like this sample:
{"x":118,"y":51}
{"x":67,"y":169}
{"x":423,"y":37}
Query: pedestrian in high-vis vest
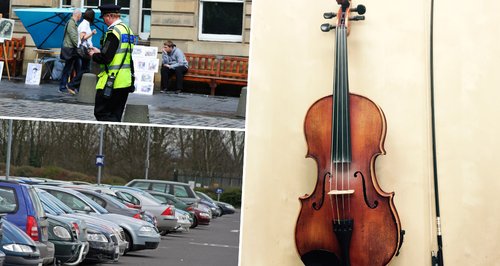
{"x":116,"y":77}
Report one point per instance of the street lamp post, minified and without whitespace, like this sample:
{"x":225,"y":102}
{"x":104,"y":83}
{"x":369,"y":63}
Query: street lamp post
{"x":147,"y":153}
{"x":100,"y":156}
{"x":9,"y":149}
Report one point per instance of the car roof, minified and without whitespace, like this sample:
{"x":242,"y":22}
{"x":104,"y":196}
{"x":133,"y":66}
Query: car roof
{"x":159,"y":181}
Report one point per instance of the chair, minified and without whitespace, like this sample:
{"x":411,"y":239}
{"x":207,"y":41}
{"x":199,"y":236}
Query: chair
{"x":14,"y":54}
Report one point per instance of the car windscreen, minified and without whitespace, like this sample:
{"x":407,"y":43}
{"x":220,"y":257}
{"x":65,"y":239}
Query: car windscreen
{"x":47,"y":204}
{"x":8,"y":200}
{"x":90,"y":202}
{"x":116,"y":202}
{"x":49,"y":197}
{"x":36,"y":202}
{"x":150,"y":197}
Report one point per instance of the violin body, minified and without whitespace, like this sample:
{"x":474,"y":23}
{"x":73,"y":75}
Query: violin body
{"x":374,"y":231}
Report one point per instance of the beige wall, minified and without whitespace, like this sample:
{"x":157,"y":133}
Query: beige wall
{"x":291,"y":67}
{"x":175,"y":20}
{"x":178,"y":20}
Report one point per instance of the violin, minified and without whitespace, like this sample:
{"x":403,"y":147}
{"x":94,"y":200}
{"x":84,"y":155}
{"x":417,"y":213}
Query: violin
{"x":348,"y":219}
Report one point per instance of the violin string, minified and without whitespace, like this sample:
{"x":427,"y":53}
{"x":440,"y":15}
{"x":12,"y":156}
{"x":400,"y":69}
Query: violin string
{"x":339,"y":117}
{"x":343,"y":112}
{"x":347,"y":123}
{"x":337,"y":86}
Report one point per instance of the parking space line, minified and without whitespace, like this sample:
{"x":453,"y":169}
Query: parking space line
{"x":213,"y":245}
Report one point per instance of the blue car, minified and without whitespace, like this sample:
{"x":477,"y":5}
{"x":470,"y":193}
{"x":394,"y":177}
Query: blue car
{"x":19,"y":248}
{"x":21,"y":206}
{"x":2,"y":255}
{"x":103,"y":244}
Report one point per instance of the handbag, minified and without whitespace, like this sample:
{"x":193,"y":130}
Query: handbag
{"x":68,"y":53}
{"x":83,"y":51}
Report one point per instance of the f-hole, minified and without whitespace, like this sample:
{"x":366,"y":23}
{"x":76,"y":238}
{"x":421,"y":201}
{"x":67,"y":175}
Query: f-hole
{"x":375,"y":202}
{"x":316,"y":205}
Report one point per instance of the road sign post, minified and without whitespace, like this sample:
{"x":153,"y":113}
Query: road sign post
{"x":219,"y":191}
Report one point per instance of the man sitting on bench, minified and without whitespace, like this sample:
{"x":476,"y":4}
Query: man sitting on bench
{"x":173,"y":62}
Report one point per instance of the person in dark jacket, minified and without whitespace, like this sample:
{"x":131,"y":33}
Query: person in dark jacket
{"x":70,"y":41}
{"x":173,"y":63}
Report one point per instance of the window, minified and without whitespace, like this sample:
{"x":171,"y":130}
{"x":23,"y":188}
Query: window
{"x":124,"y":4}
{"x":146,"y":16}
{"x":159,"y":187}
{"x":180,"y":191}
{"x":5,"y":8}
{"x":129,"y":197}
{"x":144,"y":10}
{"x":99,"y":201}
{"x":140,"y":185}
{"x":161,"y":198}
{"x":37,"y":204}
{"x":73,"y":202}
{"x":221,"y":20}
{"x":8,"y":200}
{"x":65,"y":3}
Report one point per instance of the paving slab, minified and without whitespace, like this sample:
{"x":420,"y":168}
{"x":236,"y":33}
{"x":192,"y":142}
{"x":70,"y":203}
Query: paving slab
{"x":185,"y":109}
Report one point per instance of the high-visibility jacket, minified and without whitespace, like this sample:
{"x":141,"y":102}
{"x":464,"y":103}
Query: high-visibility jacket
{"x":124,"y":74}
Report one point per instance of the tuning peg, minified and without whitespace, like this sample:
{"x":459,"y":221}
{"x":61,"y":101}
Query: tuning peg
{"x":361,"y":9}
{"x":327,"y":27}
{"x":329,"y":15}
{"x":354,"y":18}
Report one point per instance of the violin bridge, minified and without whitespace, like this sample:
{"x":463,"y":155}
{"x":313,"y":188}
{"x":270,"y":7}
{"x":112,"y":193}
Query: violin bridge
{"x":341,"y":192}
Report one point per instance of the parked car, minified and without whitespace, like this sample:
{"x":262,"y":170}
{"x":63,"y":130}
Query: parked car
{"x":184,"y":221}
{"x":199,"y":215}
{"x":165,"y":214}
{"x":22,"y":207}
{"x":70,"y":244}
{"x":104,"y":189}
{"x":104,"y":238}
{"x":2,"y":255}
{"x":225,"y":207}
{"x":181,"y":190}
{"x":18,"y":247}
{"x":112,"y":205}
{"x":206,"y":200}
{"x":139,"y":234}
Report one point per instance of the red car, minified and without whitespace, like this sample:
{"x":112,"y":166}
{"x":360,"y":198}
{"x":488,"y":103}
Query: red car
{"x":199,"y":215}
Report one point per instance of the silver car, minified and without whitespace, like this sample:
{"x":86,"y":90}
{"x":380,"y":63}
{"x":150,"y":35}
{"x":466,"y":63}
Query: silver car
{"x":106,"y":239}
{"x":139,"y":234}
{"x":164,"y":213}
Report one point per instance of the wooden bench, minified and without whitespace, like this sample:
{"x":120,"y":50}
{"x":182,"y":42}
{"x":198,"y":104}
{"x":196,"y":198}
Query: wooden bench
{"x":14,"y":55}
{"x":215,"y":70}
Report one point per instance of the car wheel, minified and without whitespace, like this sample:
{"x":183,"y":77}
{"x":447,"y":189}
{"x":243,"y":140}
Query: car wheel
{"x":128,"y":238}
{"x":195,"y":222}
{"x":164,"y":232}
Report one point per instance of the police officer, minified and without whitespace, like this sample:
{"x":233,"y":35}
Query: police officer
{"x":115,"y":80}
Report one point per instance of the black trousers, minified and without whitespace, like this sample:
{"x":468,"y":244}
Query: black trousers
{"x":179,"y":76}
{"x":84,"y":68}
{"x":110,"y":109}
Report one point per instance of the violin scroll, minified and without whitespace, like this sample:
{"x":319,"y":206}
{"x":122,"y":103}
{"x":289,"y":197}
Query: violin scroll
{"x":343,"y":15}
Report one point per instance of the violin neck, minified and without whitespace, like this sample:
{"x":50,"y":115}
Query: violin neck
{"x":341,"y":144}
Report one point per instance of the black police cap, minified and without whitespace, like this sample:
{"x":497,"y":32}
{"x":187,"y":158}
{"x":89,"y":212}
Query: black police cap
{"x":109,"y":8}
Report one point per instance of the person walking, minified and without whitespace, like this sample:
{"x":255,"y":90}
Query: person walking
{"x":116,"y":76}
{"x":173,"y":63}
{"x":85,"y":39}
{"x":70,"y":43}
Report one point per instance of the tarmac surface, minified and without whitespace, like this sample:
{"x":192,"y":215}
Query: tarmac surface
{"x":18,"y":100}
